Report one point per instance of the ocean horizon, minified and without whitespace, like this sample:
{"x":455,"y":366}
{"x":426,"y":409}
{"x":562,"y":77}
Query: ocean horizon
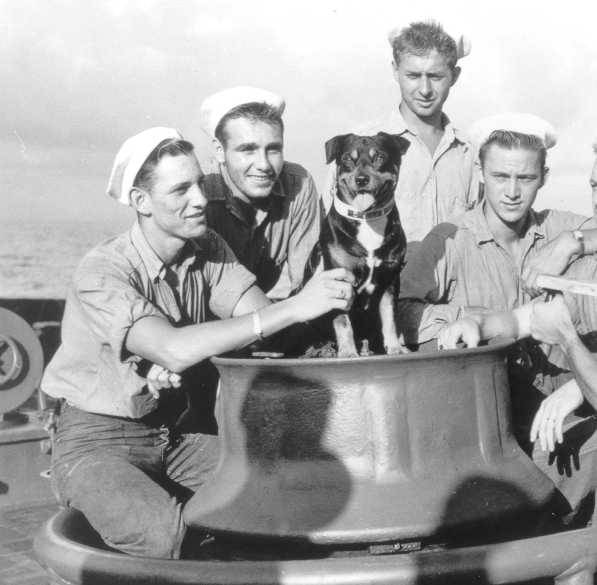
{"x":38,"y":259}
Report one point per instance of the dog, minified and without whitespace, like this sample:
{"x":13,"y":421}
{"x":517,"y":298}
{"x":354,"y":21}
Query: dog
{"x":362,"y":232}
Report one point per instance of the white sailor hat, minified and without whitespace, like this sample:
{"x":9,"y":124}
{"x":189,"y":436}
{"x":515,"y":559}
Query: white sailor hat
{"x":463,"y":43}
{"x":130,"y":158}
{"x":216,"y":106}
{"x":514,"y":122}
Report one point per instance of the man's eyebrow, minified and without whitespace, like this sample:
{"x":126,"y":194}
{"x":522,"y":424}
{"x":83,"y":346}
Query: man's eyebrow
{"x":276,"y":145}
{"x":179,"y":186}
{"x":247,"y":146}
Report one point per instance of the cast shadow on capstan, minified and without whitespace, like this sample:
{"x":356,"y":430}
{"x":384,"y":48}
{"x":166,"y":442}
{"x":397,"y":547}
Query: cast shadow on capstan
{"x":468,"y":567}
{"x":289,"y":483}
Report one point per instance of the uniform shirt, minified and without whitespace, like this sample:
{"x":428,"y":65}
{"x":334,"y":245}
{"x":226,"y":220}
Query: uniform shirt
{"x":118,"y":283}
{"x":461,"y":266}
{"x":431,"y":189}
{"x":274,"y":243}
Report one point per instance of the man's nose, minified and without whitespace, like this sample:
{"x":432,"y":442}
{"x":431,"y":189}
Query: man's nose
{"x":425,"y":85}
{"x":513,"y":189}
{"x":262,"y":161}
{"x":196,"y":196}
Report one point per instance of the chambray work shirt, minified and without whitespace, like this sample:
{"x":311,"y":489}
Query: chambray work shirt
{"x":460,"y":266}
{"x":432,"y":188}
{"x":119,"y":282}
{"x":274,"y":243}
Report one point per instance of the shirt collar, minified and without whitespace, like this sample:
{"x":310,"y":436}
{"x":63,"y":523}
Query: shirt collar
{"x":156,"y":269}
{"x":476,"y":222}
{"x":398,"y":125}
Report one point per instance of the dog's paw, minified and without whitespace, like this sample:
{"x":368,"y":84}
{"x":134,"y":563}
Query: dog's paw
{"x":397,"y":349}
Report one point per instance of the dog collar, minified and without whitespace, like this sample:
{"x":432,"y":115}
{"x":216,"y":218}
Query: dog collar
{"x":347,"y":211}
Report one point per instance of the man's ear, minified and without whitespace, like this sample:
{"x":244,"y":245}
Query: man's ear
{"x":479,"y":170}
{"x":395,"y":70}
{"x":219,"y":151}
{"x":545,"y":175}
{"x":455,"y":75}
{"x":141,"y":201}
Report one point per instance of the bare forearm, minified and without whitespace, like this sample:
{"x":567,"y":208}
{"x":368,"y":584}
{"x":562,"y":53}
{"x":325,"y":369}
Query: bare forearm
{"x":514,"y":324}
{"x":179,"y":348}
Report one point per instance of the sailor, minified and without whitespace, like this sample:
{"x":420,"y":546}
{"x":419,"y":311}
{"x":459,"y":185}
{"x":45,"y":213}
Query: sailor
{"x":436,"y":181}
{"x":136,"y":324}
{"x":266,"y":208}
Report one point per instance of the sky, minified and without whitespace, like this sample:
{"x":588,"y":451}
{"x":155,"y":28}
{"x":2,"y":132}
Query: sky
{"x":78,"y":78}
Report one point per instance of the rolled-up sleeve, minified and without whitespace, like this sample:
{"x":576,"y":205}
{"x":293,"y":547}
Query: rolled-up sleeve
{"x":111,"y":305}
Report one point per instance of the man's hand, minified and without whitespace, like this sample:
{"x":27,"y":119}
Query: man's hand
{"x":551,"y":322}
{"x":159,"y":378}
{"x":332,"y":289}
{"x":552,"y":259}
{"x":465,"y":330}
{"x":547,"y":424}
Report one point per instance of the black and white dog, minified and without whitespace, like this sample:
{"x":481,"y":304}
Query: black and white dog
{"x":362,"y":232}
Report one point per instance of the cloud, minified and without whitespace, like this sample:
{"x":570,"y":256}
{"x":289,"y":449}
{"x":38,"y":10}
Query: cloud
{"x":79,"y":77}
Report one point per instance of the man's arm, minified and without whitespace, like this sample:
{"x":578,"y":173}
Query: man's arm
{"x":475,"y":328}
{"x":176,"y":349}
{"x":551,"y":322}
{"x":559,"y":252}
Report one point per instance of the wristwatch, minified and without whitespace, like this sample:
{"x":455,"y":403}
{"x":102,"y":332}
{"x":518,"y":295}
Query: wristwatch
{"x":580,"y":238}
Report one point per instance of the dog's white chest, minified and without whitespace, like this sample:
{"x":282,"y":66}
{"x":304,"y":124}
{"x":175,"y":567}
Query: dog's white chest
{"x":371,"y":236}
{"x":371,"y":233}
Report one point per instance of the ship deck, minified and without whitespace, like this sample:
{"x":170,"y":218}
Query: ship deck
{"x":18,"y":526}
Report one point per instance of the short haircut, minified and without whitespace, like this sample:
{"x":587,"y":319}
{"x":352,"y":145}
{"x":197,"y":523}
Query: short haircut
{"x":419,"y":38}
{"x":168,"y":147}
{"x":254,"y":112}
{"x":514,"y":140}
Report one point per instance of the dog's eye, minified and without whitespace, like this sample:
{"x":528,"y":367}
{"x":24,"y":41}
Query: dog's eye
{"x":379,"y":158}
{"x":347,"y":161}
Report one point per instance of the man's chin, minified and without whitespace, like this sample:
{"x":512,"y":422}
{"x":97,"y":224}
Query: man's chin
{"x":259,"y":193}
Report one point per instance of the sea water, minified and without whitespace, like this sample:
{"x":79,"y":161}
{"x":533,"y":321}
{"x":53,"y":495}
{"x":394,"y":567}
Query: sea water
{"x":37,"y":260}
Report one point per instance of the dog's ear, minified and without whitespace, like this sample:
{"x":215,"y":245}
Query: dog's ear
{"x":398,"y":145}
{"x":334,"y":146}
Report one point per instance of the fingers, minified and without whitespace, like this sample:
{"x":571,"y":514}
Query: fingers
{"x":159,"y":378}
{"x":464,"y":330}
{"x":341,"y":274}
{"x":548,"y":424}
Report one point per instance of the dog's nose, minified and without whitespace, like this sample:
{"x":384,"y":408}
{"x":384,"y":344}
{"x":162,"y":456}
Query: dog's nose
{"x":362,"y":180}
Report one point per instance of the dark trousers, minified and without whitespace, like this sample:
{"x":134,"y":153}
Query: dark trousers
{"x":130,"y":478}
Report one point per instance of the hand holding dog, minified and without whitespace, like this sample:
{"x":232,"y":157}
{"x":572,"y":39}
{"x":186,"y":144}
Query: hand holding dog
{"x":331,"y":289}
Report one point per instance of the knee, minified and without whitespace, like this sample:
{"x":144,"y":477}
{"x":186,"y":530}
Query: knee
{"x":161,"y":537}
